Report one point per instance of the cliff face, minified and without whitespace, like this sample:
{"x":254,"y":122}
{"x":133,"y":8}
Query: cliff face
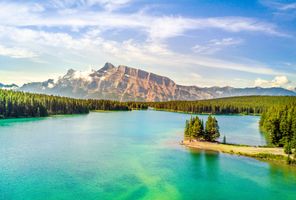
{"x":129,"y":84}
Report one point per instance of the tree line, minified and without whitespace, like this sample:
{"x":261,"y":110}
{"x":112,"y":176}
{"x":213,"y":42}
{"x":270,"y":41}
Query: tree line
{"x":249,"y":105}
{"x":15,"y":104}
{"x":280,"y":123}
{"x":278,"y":113}
{"x":195,"y":129}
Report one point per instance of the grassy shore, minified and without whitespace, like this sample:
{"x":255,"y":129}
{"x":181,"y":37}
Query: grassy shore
{"x":263,"y":153}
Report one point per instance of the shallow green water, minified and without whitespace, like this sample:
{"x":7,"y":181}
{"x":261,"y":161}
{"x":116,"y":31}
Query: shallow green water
{"x":131,"y":155}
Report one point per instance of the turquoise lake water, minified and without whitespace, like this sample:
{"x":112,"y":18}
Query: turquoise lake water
{"x":131,"y":155}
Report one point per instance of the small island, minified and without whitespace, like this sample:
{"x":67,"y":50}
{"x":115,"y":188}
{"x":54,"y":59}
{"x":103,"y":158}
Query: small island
{"x":195,"y":129}
{"x":198,"y":136}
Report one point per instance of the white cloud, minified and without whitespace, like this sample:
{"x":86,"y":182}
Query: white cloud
{"x":145,"y":52}
{"x":109,"y":5}
{"x":167,"y":27}
{"x":156,"y":54}
{"x":85,"y":75}
{"x":291,"y":87}
{"x":36,"y":30}
{"x":216,"y":45}
{"x":15,"y":52}
{"x":171,"y":26}
{"x":290,"y":6}
{"x":281,"y":80}
{"x":279,"y":5}
{"x":278,"y":81}
{"x":155,"y":27}
{"x":226,"y":42}
{"x":238,"y":24}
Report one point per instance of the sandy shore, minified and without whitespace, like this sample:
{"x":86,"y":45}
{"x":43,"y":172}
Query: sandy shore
{"x":266,"y":153}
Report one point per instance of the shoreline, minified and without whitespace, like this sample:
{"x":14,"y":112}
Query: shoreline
{"x":275,"y":154}
{"x":204,"y":113}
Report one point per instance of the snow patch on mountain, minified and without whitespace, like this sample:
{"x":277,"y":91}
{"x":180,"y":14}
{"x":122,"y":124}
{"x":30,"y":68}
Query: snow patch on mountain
{"x":83,"y":75}
{"x":50,"y":85}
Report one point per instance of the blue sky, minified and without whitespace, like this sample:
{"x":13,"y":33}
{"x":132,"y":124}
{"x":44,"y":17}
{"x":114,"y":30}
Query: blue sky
{"x":194,"y":42}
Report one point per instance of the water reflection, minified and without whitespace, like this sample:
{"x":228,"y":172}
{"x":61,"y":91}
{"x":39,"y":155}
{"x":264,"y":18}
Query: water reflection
{"x":212,"y":164}
{"x":277,"y":170}
{"x":207,"y":161}
{"x":12,"y":122}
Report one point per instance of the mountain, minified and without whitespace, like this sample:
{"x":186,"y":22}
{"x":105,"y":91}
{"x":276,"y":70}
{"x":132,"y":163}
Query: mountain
{"x":8,"y":87}
{"x":129,"y":84}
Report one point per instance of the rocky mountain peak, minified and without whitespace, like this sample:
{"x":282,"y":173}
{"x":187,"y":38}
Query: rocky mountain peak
{"x":69,"y":73}
{"x":9,"y":86}
{"x":50,"y":80}
{"x":108,"y":66}
{"x":125,"y":83}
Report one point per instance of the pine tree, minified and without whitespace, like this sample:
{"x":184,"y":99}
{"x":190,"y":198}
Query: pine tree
{"x":194,"y":128}
{"x":197,"y":130}
{"x":212,"y":129}
{"x":186,"y":131}
{"x":224,"y":139}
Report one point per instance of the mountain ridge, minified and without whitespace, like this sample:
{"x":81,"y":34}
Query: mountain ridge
{"x":125,"y":83}
{"x":8,"y":86}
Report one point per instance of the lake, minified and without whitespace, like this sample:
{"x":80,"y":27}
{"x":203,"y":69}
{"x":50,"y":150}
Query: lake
{"x":132,"y":155}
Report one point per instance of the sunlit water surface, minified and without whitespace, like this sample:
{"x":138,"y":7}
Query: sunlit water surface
{"x":131,"y":155}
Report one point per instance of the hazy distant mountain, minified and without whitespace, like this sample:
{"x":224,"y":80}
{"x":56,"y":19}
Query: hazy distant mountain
{"x":129,"y":84}
{"x":8,"y":87}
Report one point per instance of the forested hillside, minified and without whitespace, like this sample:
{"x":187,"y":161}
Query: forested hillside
{"x":19,"y":104}
{"x":280,"y":123}
{"x":230,"y":105}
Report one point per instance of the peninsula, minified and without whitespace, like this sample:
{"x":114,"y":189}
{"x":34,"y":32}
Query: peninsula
{"x":198,"y":136}
{"x":276,"y":154}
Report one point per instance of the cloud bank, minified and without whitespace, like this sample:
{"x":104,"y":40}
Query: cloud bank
{"x":78,"y":31}
{"x":278,"y":81}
